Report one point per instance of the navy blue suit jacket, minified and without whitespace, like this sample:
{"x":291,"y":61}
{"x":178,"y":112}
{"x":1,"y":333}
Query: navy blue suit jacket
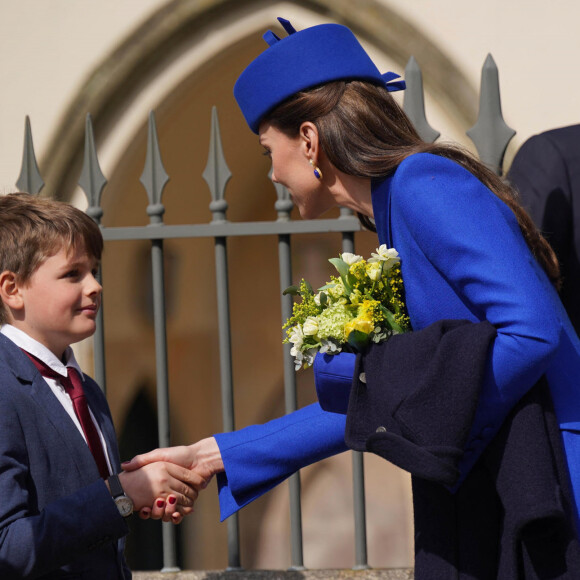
{"x":57,"y":517}
{"x":546,"y":172}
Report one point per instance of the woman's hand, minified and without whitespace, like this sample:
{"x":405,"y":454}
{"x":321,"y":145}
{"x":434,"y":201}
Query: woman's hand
{"x":176,"y":486}
{"x":202,"y":460}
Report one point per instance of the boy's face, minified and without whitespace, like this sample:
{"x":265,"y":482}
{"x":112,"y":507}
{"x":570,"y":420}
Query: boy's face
{"x":61,"y":300}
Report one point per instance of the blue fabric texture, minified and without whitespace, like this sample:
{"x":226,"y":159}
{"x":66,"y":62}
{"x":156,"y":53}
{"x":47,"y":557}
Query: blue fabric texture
{"x":456,"y":263}
{"x":300,"y":61}
{"x":259,"y":457}
{"x":333,"y":380}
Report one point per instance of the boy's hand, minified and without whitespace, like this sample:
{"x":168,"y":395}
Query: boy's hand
{"x":174,"y":485}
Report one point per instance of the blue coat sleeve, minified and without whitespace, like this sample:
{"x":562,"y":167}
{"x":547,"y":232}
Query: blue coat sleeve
{"x":259,"y":457}
{"x":333,"y":374}
{"x":472,"y":243}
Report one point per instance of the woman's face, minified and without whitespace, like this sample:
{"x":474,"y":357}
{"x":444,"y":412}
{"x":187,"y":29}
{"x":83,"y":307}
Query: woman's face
{"x":291,"y":168}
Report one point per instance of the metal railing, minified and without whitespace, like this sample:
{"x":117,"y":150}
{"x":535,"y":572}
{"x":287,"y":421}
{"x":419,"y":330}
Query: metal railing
{"x":490,"y":135}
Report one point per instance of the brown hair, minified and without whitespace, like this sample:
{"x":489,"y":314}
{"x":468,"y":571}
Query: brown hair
{"x":365,"y":133}
{"x":33,"y":229}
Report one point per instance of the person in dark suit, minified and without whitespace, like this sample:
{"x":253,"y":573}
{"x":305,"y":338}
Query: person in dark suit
{"x":546,"y":173}
{"x":63,"y":507}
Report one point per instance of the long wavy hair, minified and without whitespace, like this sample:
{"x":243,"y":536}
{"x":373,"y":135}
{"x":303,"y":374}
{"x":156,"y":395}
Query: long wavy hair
{"x":365,"y":133}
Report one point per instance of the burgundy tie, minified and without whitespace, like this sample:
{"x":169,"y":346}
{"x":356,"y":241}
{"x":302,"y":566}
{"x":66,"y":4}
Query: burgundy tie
{"x":74,"y":388}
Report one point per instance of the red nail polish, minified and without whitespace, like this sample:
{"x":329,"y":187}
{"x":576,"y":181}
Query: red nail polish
{"x":172,"y":500}
{"x":160,"y":503}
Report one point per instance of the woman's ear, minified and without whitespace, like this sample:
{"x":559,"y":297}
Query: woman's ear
{"x":10,"y":290}
{"x":310,"y":141}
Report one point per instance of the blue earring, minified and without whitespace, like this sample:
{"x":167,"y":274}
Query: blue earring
{"x":317,"y":172}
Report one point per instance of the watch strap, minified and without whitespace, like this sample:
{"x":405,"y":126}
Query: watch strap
{"x":115,"y":486}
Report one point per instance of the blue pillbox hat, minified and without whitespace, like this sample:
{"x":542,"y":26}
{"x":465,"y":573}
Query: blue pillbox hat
{"x":302,"y":60}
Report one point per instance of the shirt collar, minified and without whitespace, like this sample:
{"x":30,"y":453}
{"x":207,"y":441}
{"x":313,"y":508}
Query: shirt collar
{"x":35,"y":348}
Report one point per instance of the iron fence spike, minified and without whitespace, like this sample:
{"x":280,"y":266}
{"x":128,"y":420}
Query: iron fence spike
{"x":92,"y":180}
{"x":216,"y":173}
{"x":414,"y":102}
{"x":284,"y":203}
{"x":490,"y":134}
{"x":154,"y":177}
{"x":29,"y":180}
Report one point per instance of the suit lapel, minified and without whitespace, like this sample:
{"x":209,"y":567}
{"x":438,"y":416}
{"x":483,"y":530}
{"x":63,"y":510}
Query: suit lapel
{"x":102,"y":415}
{"x":50,"y":407}
{"x":65,"y":427}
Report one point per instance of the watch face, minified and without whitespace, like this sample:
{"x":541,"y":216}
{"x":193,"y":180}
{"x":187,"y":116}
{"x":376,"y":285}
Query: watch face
{"x":124,"y":505}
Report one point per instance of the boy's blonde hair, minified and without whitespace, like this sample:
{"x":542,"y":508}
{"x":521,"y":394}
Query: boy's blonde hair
{"x":33,"y":229}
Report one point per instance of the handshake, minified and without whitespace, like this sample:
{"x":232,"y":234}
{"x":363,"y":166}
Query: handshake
{"x":164,"y":483}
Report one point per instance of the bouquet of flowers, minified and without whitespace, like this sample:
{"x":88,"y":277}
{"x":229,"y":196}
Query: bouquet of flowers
{"x":363,"y":304}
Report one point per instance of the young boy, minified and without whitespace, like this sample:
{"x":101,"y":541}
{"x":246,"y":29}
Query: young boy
{"x":61,"y":515}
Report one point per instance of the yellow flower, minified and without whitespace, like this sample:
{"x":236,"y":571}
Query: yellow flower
{"x":374,"y":271}
{"x":371,"y":310}
{"x":361,"y":324}
{"x":358,"y":270}
{"x":355,"y":297}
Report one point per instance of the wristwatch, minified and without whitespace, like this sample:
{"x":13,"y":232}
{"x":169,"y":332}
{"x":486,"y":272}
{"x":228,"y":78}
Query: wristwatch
{"x":124,"y":503}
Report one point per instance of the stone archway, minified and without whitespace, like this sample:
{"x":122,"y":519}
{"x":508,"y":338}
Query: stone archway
{"x":112,"y":86}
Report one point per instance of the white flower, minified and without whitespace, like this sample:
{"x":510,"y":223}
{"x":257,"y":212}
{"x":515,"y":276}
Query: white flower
{"x":375,"y":271}
{"x":297,"y":359}
{"x":351,"y":259}
{"x":310,"y":326}
{"x":389,"y":256}
{"x":297,"y":340}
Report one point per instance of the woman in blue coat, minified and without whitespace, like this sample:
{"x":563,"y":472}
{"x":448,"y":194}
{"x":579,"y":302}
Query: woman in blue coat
{"x":324,"y":115}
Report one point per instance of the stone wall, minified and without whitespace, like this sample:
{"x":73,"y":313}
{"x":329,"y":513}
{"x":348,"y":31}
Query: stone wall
{"x":391,"y":574}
